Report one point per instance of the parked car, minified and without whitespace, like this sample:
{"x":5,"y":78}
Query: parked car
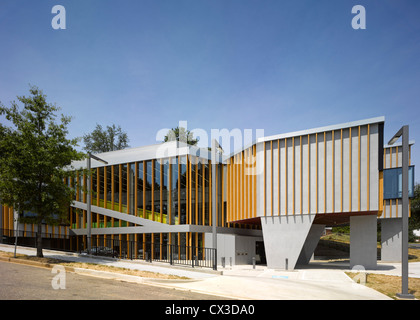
{"x":101,"y":251}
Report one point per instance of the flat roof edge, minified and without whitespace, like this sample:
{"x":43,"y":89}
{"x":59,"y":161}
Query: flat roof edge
{"x":399,"y":144}
{"x":379,"y":119}
{"x":151,"y":152}
{"x":322,"y":129}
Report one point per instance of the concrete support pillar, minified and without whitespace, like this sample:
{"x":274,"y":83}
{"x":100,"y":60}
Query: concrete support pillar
{"x":226,"y":244}
{"x":284,"y":237}
{"x":391,"y":237}
{"x":363,"y":247}
{"x":311,"y":242}
{"x":238,"y":249}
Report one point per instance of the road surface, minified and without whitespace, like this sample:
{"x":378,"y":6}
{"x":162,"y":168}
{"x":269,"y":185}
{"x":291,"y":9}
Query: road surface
{"x":22,"y":282}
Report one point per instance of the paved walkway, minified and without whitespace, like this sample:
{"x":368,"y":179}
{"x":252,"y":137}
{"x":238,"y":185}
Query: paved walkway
{"x":318,"y":281}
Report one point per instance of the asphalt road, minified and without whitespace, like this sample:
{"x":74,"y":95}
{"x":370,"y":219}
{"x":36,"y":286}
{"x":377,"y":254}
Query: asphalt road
{"x":21,"y":282}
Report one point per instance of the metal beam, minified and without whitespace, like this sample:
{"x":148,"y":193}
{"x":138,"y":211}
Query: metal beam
{"x":88,"y":197}
{"x":404,"y":133}
{"x":214,"y":147}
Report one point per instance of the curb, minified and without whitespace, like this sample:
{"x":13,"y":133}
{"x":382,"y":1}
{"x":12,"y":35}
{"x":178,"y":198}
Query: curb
{"x":139,"y":262}
{"x":166,"y":283}
{"x":96,"y":273}
{"x":35,"y":263}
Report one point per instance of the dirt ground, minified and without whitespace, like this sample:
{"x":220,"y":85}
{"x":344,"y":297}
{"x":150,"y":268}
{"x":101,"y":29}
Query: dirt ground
{"x":145,"y":274}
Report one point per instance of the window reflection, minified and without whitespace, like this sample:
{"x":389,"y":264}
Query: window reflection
{"x":156,"y":191}
{"x":393,"y":183}
{"x":183,"y":190}
{"x":124,"y":188}
{"x":148,"y":187}
{"x":165,"y":190}
{"x":168,"y":190}
{"x":131,"y":188}
{"x":174,"y":191}
{"x":116,"y":186}
{"x":101,"y":186}
{"x":109,"y":187}
{"x":140,"y":189}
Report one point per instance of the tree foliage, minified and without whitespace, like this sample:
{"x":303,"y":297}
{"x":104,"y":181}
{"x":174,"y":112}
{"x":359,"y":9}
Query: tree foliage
{"x":414,"y":221}
{"x":110,"y":139}
{"x":180,"y":134}
{"x":34,"y":157}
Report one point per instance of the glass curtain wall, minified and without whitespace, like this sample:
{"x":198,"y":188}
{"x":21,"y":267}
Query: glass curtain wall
{"x":80,"y":185}
{"x":183,"y":185}
{"x":174,"y":187}
{"x":147,"y":214}
{"x":131,"y":176}
{"x":124,"y":187}
{"x":94,"y":186}
{"x":165,"y":201}
{"x":140,"y":191}
{"x":102,"y":183}
{"x":199,"y":193}
{"x":206,"y":194}
{"x":193,"y":209}
{"x":109,"y":189}
{"x":173,"y":190}
{"x":115,"y":196}
{"x":156,"y":213}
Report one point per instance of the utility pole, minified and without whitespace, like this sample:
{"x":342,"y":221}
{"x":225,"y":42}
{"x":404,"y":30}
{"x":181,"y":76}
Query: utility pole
{"x":89,"y":205}
{"x":403,"y":132}
{"x":214,"y":162}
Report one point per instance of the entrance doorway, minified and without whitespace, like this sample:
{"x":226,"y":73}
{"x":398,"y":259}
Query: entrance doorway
{"x":260,"y":252}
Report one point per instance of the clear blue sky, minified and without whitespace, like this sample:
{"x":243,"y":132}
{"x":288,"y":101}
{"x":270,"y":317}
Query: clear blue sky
{"x":275,"y":65}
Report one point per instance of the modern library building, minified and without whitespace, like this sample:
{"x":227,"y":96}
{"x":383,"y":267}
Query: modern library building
{"x":269,"y":202}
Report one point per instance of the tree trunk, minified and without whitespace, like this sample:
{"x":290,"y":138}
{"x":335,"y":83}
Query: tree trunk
{"x":39,"y":241}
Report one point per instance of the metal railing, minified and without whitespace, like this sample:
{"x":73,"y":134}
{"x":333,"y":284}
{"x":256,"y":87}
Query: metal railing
{"x":194,"y":256}
{"x":29,"y":239}
{"x":186,"y":255}
{"x":160,"y":252}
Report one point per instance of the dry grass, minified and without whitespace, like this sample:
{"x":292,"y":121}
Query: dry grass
{"x":339,"y":237}
{"x":92,"y":266}
{"x":413,"y":254}
{"x":390,"y":285}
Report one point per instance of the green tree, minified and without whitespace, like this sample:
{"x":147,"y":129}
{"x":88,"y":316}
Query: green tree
{"x":414,"y":221}
{"x":34,"y":159}
{"x":110,"y":139}
{"x":181,"y":134}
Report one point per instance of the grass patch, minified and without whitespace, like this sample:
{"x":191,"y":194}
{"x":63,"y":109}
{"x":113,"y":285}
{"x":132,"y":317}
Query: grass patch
{"x":94,"y":266}
{"x":342,"y":241}
{"x":389,"y":285}
{"x":339,"y":237}
{"x":413,"y":255}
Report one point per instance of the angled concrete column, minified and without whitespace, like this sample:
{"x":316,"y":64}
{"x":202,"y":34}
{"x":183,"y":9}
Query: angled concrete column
{"x":310,"y":244}
{"x":284,"y":237}
{"x":391,"y":235}
{"x":363,"y":247}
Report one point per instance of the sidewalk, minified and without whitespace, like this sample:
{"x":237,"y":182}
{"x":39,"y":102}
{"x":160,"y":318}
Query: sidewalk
{"x":394,"y":269}
{"x":128,"y":264}
{"x":239,"y":282}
